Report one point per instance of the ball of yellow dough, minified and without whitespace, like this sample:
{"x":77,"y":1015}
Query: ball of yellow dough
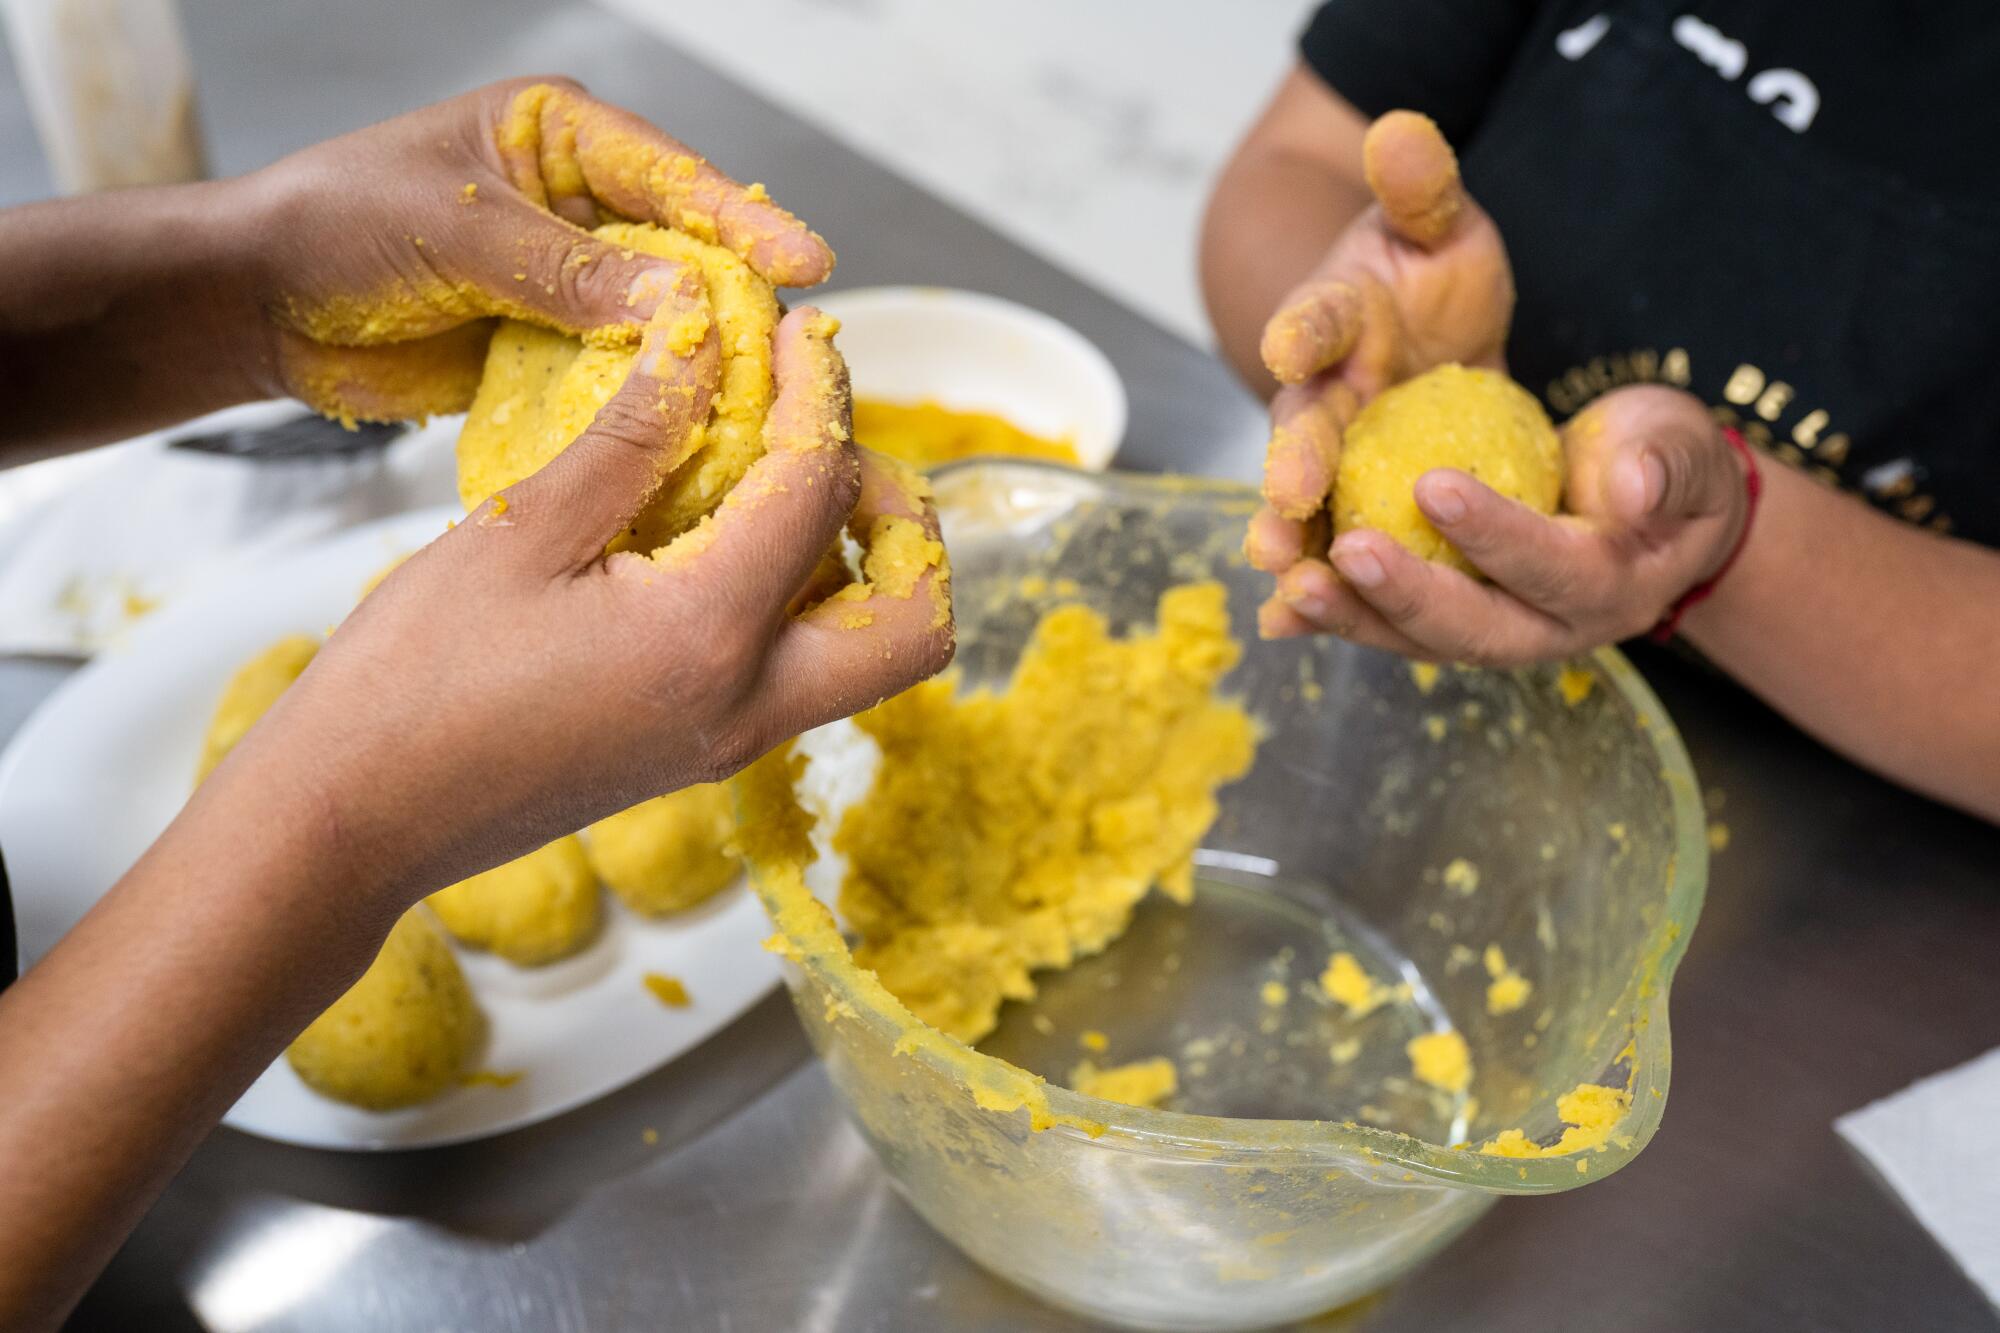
{"x":402,"y":1034}
{"x":541,"y":388}
{"x":1477,"y":421}
{"x":536,"y":909}
{"x":667,"y":854}
{"x":250,"y":694}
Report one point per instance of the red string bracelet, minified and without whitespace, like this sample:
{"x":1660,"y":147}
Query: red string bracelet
{"x":1753,"y":487}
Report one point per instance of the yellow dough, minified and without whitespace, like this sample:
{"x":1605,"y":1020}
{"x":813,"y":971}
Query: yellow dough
{"x":250,"y":694}
{"x":1014,"y":831}
{"x":1442,"y":1060}
{"x":669,"y":853}
{"x":926,"y":434}
{"x":536,"y":909}
{"x":540,"y":390}
{"x":401,"y":1034}
{"x":1477,"y":421}
{"x":1140,"y":1083}
{"x":1590,"y":1113}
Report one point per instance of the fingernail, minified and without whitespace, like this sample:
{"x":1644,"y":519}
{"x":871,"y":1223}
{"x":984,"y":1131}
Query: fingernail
{"x":1446,"y":503}
{"x":1653,"y":480}
{"x":1309,"y":606}
{"x":1360,"y":568}
{"x":645,"y":292}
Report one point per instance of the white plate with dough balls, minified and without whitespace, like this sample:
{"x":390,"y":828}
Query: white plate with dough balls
{"x":102,"y":768}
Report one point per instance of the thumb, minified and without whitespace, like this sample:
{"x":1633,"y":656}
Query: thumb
{"x":527,"y":264}
{"x":588,"y":494}
{"x":1414,"y":176}
{"x":1649,"y":459}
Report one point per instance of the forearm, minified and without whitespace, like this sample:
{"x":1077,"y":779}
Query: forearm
{"x":123,"y":1047}
{"x":1291,"y":188}
{"x":124,"y":311}
{"x":1874,"y":636}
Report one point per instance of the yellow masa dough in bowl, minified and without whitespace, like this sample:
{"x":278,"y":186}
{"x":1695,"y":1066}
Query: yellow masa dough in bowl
{"x":1477,"y":421}
{"x":401,"y":1034}
{"x":534,"y":909}
{"x":541,"y":389}
{"x":669,"y":853}
{"x":1012,"y":831}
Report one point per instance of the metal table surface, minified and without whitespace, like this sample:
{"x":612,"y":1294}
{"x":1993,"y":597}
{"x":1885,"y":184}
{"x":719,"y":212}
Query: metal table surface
{"x":1849,"y":944}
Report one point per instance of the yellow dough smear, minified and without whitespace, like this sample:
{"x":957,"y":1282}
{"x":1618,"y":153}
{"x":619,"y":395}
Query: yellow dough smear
{"x":1014,"y":831}
{"x":541,"y":388}
{"x":669,"y":853}
{"x":1477,"y":421}
{"x":401,"y":1034}
{"x":1140,"y":1083}
{"x":928,"y":433}
{"x":535,"y":909}
{"x":250,"y":694}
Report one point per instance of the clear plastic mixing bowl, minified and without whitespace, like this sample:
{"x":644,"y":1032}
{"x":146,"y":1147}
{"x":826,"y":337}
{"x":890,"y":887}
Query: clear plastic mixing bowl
{"x":1317,"y":1169}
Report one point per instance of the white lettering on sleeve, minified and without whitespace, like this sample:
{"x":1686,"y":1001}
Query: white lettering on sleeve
{"x":1797,"y":101}
{"x":1722,"y":54}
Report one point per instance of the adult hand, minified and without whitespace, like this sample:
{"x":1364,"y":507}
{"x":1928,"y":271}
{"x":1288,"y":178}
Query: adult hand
{"x":380,"y":256}
{"x":1417,"y":280}
{"x":508,"y":683}
{"x":1657,"y":500}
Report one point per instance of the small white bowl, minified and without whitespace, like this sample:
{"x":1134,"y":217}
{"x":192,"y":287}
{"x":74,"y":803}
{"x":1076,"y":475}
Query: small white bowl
{"x":979,"y":353}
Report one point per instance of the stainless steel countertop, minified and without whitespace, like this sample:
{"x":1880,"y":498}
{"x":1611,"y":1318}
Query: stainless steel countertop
{"x":1848,"y":945}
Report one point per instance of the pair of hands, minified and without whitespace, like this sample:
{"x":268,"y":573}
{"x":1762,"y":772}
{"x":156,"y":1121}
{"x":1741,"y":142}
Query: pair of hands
{"x":1655,"y":499}
{"x":508,"y":683}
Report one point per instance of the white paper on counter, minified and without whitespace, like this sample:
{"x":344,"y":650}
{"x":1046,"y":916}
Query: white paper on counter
{"x":1933,"y":1145}
{"x":92,"y":542}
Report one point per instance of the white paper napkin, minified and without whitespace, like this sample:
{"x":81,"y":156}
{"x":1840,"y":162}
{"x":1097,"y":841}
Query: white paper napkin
{"x":1933,"y":1143}
{"x":90,"y":543}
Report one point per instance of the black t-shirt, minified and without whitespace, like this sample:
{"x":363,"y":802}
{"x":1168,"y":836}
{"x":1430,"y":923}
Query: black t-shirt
{"x":1790,"y":208}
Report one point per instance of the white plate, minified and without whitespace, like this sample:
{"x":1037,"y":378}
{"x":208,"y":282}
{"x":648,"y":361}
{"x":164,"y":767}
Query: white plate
{"x":980,"y":353}
{"x":99,"y":771}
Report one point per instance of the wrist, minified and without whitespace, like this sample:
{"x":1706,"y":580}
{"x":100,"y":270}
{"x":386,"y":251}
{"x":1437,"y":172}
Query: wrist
{"x":243,"y":222}
{"x":299,"y":841}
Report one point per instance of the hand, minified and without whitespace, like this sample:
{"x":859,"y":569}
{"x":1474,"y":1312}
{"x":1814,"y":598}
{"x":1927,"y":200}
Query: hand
{"x":380,"y":256}
{"x":508,"y":684}
{"x":1418,"y":280}
{"x":1657,"y":502}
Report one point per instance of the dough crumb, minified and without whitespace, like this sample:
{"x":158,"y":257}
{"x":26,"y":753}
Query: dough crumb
{"x":1574,"y":684}
{"x":1442,"y":1060}
{"x":670,"y":991}
{"x":1348,"y":984}
{"x":1508,"y":990}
